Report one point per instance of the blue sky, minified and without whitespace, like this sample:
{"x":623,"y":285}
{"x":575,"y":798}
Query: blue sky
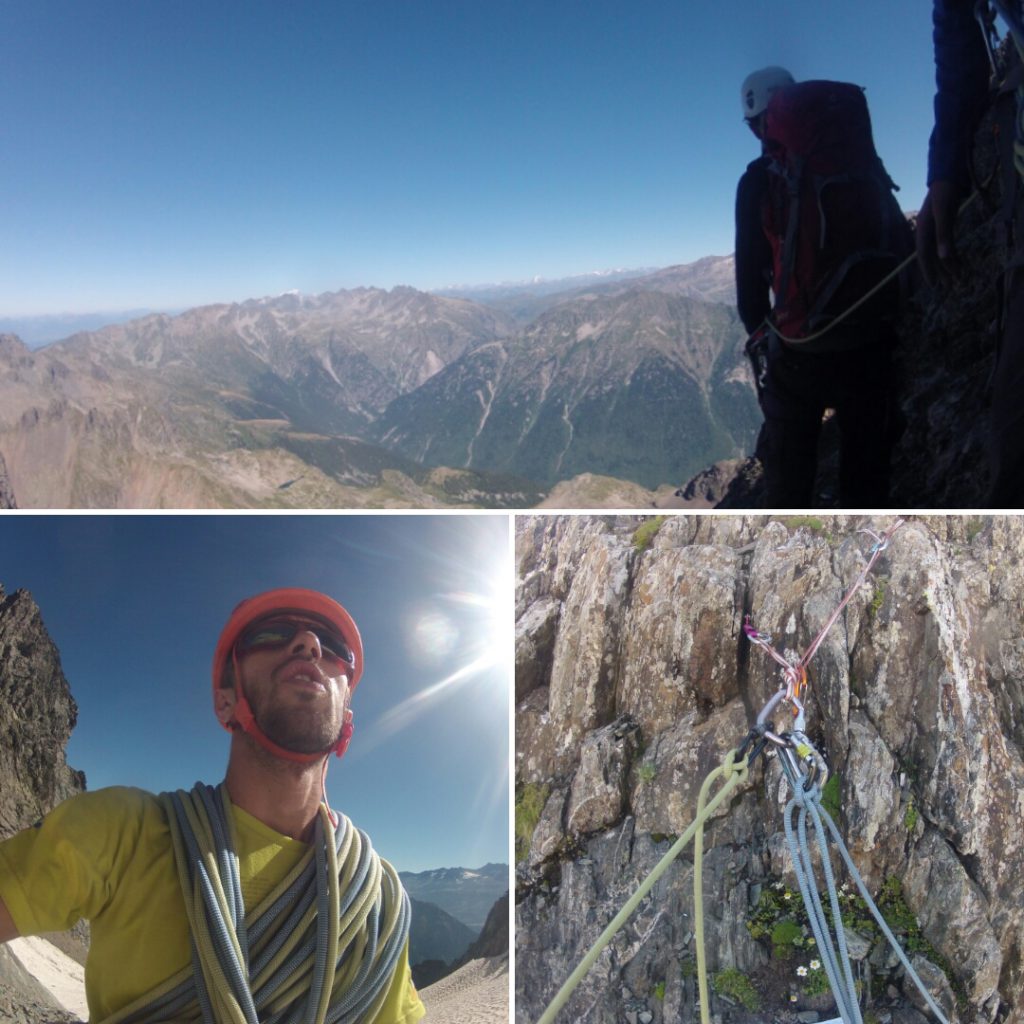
{"x":168,"y":154}
{"x":135,"y":605}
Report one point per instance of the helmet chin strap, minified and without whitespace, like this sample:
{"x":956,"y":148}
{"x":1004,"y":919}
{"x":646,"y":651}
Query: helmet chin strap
{"x":246,"y":721}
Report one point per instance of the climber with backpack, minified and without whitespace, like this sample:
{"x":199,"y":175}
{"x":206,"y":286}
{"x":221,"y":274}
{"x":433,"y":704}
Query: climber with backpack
{"x":965,"y":63}
{"x":817,"y":225}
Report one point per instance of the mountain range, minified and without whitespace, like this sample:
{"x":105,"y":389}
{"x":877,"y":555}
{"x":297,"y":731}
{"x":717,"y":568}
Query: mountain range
{"x":468,"y":894}
{"x":372,"y":398}
{"x":458,"y":914}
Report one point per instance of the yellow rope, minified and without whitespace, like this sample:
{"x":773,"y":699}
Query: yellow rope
{"x":345,"y":932}
{"x":698,"y":891}
{"x":736,"y":773}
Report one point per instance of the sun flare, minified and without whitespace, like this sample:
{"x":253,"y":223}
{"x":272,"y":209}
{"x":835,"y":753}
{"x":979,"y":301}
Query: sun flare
{"x":465,"y":637}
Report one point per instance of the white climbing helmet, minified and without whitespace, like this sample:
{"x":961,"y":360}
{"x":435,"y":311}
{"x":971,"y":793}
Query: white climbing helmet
{"x":759,"y":87}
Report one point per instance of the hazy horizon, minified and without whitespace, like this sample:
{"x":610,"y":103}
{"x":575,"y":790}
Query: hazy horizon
{"x":40,"y":329}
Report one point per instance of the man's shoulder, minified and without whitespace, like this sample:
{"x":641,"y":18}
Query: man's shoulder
{"x":112,"y":803}
{"x":753,"y":183}
{"x":756,"y":174}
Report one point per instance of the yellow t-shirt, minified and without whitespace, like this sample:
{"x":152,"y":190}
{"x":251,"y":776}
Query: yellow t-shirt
{"x":107,"y":857}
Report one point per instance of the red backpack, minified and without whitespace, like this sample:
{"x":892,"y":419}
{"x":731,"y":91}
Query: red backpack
{"x":834,"y":225}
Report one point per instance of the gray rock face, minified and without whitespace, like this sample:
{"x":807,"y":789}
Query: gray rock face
{"x":634,"y":679}
{"x":37,"y":714}
{"x":7,"y":499}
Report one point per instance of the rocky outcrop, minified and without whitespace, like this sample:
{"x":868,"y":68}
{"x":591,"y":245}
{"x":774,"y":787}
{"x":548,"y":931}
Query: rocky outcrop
{"x":37,"y":714}
{"x":431,"y":941}
{"x":634,"y":679}
{"x":7,"y":499}
{"x":493,"y":940}
{"x":436,"y":939}
{"x":23,"y":1000}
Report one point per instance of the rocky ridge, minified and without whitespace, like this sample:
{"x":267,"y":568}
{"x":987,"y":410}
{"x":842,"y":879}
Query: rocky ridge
{"x":633,"y":679}
{"x":37,"y":714}
{"x":367,"y":398}
{"x":261,"y":403}
{"x":468,"y":894}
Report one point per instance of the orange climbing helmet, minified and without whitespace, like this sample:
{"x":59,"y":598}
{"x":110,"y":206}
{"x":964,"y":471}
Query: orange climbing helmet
{"x":286,"y":602}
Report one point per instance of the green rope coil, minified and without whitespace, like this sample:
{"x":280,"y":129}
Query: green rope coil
{"x":736,"y":773}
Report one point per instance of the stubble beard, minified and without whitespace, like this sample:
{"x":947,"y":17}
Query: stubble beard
{"x":302,"y":730}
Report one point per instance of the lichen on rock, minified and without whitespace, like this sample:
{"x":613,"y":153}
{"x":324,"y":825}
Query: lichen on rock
{"x":639,"y":680}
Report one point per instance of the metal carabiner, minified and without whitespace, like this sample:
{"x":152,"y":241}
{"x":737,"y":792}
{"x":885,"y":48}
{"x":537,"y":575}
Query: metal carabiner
{"x":812,"y":765}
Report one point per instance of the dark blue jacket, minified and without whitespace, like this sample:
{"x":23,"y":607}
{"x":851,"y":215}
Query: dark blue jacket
{"x":961,"y":78}
{"x":753,"y":250}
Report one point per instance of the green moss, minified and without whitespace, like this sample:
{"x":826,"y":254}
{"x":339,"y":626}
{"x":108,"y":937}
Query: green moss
{"x":736,"y":985}
{"x":644,"y":534}
{"x":787,"y":936}
{"x":811,"y":522}
{"x":530,"y":801}
{"x":830,"y":796}
{"x":878,"y":599}
{"x":659,"y":990}
{"x":646,"y":772}
{"x":780,"y":919}
{"x":816,"y":983}
{"x":910,"y":815}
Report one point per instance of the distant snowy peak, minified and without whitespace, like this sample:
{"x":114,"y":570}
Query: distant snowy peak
{"x":466,"y":893}
{"x":538,"y":285}
{"x":572,"y":281}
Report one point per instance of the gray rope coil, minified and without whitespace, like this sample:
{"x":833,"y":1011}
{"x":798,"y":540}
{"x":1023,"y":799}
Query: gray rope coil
{"x":806,"y":803}
{"x":277,"y":966}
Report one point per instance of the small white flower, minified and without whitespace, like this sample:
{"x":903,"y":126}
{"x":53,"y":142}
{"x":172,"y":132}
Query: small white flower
{"x":787,"y":895}
{"x":802,"y":971}
{"x":793,"y":998}
{"x":815,"y":965}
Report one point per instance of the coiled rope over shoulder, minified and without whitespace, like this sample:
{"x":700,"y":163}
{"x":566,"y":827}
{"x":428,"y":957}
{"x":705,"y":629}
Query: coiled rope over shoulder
{"x":320,"y":949}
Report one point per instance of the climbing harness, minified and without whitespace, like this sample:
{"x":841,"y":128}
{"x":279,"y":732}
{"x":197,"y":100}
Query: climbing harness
{"x":805,"y":771}
{"x":322,"y":948}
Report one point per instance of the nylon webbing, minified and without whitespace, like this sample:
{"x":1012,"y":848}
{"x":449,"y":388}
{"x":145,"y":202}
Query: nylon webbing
{"x":320,"y":949}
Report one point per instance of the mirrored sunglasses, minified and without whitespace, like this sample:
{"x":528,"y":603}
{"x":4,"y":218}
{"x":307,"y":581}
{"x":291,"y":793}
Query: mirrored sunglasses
{"x":275,"y":633}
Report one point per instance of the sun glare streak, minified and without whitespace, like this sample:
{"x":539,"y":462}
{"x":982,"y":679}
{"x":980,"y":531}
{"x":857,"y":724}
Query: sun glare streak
{"x":412,"y":708}
{"x":467,"y":632}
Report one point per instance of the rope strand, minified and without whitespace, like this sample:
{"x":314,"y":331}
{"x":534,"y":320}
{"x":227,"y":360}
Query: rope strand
{"x":325,"y":943}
